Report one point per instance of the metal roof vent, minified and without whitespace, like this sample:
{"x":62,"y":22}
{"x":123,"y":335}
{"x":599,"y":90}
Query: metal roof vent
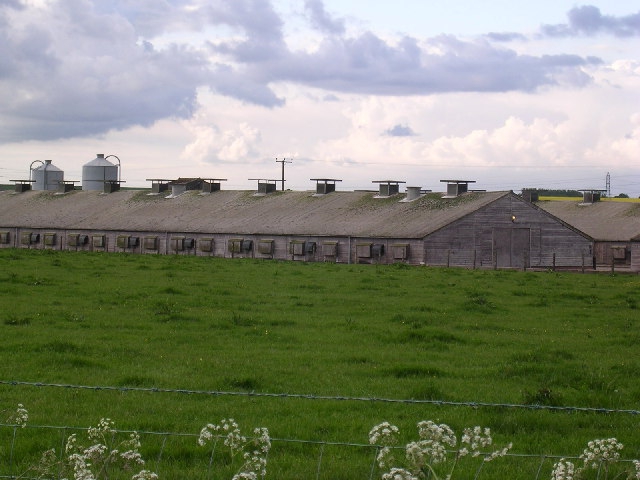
{"x":455,"y":188}
{"x":530,"y":194}
{"x":388,"y":187}
{"x":591,"y":195}
{"x":211,"y":185}
{"x":325,"y":185}
{"x":182,"y":185}
{"x":414,"y":193}
{"x":265,"y":186}
{"x":47,"y":176}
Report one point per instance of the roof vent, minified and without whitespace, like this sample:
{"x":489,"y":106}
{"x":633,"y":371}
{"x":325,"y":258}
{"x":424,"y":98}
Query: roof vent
{"x":325,"y":185}
{"x":210,"y":185}
{"x":413,"y":193}
{"x":265,"y":185}
{"x":182,"y":185}
{"x":388,"y":187}
{"x":455,"y":188}
{"x":591,"y":195}
{"x":530,"y":194}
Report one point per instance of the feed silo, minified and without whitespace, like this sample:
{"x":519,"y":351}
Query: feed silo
{"x":97,"y":172}
{"x":47,"y":176}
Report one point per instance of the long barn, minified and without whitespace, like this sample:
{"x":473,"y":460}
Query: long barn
{"x":468,"y":229}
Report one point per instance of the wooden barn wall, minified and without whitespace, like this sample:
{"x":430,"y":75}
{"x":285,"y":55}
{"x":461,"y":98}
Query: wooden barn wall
{"x":635,"y":256}
{"x":616,"y":253}
{"x":327,"y":249}
{"x":470,"y":241}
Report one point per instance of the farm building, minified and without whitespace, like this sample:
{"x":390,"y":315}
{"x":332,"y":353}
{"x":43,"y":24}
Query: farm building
{"x":459,"y":228}
{"x":614,"y":227}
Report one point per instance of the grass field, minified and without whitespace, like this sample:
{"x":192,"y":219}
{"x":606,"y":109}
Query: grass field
{"x":391,"y":332}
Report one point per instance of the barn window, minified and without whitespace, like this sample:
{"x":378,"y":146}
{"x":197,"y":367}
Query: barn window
{"x":246,"y":246}
{"x":309,"y":248}
{"x":377,"y":250}
{"x":151,"y":243}
{"x":234,"y":245}
{"x":265,"y":247}
{"x":330,"y":249}
{"x":29,"y":238}
{"x":49,"y":239}
{"x":296,"y":247}
{"x":77,"y":240}
{"x":363,"y":250}
{"x":177,"y":244}
{"x":400,"y":251}
{"x":619,"y":252}
{"x":127,"y":241}
{"x":5,"y":238}
{"x":206,"y":244}
{"x":98,"y":241}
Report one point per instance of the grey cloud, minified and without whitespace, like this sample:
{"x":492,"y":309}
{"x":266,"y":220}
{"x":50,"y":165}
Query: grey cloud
{"x":400,"y":131}
{"x":84,"y":67}
{"x":369,"y":65}
{"x":505,"y":36}
{"x":243,"y":87}
{"x":588,"y":20}
{"x":322,"y":20}
{"x":74,"y":73}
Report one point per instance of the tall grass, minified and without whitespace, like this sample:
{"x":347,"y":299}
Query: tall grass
{"x":395,"y":332}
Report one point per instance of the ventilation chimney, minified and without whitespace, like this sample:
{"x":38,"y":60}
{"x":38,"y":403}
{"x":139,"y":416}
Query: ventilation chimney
{"x":455,"y":188}
{"x":325,"y":185}
{"x":591,"y":195}
{"x":413,"y":193}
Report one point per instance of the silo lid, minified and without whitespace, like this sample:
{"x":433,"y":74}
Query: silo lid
{"x":48,"y":166}
{"x":99,"y":161}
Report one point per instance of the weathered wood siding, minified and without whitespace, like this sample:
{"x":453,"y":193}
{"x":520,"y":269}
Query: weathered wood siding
{"x":635,"y":256}
{"x":616,"y":253}
{"x":494,"y":235}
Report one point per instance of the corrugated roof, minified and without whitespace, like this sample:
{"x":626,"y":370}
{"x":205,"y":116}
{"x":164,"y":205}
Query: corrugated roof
{"x":608,"y":221}
{"x":241,"y":212}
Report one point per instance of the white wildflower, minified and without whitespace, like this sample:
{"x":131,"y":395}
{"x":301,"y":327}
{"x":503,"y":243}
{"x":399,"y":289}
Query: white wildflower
{"x":563,"y":470}
{"x":399,"y":474}
{"x":636,"y":464}
{"x":498,"y":453}
{"x":442,"y":433}
{"x":21,"y":416}
{"x":145,"y":475}
{"x":601,"y":451}
{"x":384,"y":434}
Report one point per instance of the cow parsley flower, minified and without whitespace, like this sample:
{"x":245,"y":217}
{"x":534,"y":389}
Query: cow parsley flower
{"x":21,"y":416}
{"x":254,"y":451}
{"x":399,"y":474}
{"x":563,"y":470}
{"x":601,"y":451}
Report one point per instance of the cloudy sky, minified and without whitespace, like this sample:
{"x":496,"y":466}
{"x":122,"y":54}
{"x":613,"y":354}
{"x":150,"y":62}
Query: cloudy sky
{"x":508,"y":93}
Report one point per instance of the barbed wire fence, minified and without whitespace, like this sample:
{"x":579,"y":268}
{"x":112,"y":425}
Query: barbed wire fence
{"x":317,"y":460}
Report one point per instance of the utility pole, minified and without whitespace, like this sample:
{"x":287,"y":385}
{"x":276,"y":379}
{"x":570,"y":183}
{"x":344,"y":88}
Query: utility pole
{"x":283,"y":161}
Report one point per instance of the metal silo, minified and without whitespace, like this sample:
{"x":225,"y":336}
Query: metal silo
{"x":98,"y":171}
{"x":47,"y":176}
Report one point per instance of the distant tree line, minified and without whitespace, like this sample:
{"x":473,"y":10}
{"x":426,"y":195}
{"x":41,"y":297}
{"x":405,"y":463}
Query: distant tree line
{"x":545,"y":192}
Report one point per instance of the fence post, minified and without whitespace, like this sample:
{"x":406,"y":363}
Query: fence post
{"x":320,"y":461}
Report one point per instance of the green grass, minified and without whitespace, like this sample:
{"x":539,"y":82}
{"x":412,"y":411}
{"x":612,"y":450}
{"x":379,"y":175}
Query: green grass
{"x":395,"y":332}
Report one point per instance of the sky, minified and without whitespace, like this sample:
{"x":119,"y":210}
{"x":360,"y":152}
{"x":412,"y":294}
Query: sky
{"x":506,"y":93}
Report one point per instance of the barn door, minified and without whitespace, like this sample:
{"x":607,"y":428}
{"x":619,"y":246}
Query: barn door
{"x":511,"y":247}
